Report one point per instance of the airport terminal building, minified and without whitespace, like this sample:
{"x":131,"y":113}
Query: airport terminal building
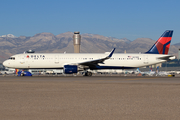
{"x":2,"y":67}
{"x":172,"y":63}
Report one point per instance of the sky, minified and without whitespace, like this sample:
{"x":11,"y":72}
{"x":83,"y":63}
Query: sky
{"x":129,"y":19}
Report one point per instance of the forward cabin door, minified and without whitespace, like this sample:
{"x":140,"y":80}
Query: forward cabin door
{"x":22,"y":59}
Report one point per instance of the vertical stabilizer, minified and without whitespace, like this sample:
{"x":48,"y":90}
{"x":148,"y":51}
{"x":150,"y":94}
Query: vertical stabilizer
{"x":162,"y":44}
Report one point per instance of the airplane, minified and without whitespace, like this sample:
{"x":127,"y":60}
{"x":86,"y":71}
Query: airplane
{"x":72,"y":63}
{"x":161,"y":73}
{"x":149,"y":73}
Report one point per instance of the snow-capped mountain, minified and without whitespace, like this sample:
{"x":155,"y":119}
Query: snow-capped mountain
{"x":9,"y":35}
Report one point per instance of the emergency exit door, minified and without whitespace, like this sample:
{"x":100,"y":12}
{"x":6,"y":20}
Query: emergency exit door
{"x":145,"y":59}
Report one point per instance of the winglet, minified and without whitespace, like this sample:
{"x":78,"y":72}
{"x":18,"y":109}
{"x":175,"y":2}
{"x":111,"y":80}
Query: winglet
{"x":110,"y":55}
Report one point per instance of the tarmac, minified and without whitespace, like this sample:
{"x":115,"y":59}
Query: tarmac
{"x":89,"y":98}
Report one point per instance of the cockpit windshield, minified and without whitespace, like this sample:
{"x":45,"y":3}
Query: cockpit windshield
{"x":12,"y":58}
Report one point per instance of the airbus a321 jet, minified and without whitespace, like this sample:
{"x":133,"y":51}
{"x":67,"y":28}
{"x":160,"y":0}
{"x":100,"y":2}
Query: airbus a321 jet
{"x":75,"y":62}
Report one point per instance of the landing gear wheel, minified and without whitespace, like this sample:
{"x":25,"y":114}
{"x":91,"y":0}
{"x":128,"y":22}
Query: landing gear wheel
{"x":22,"y":74}
{"x":88,"y":73}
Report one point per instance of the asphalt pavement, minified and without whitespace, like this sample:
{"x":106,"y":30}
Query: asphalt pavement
{"x":87,"y":98}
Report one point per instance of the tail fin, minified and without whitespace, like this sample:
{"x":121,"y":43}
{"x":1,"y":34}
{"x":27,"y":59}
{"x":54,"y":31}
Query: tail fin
{"x":137,"y":70}
{"x":157,"y":69}
{"x":162,"y":44}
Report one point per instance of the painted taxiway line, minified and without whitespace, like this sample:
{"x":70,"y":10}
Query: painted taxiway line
{"x":141,"y":78}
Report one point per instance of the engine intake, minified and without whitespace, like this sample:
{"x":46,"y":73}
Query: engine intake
{"x":70,"y":69}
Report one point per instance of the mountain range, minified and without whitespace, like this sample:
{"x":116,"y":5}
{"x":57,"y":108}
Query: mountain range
{"x":90,"y":43}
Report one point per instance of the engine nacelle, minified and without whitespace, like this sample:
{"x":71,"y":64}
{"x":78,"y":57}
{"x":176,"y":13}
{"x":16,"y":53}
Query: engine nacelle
{"x":70,"y":69}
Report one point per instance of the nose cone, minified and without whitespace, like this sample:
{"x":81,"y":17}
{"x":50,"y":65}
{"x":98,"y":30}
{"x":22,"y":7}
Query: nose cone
{"x":5,"y":63}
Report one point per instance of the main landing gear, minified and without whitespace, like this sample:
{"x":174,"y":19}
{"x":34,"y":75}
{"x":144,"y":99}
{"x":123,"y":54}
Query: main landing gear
{"x":87,"y":73}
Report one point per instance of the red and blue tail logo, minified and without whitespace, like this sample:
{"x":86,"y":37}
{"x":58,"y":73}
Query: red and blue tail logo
{"x":162,"y":44}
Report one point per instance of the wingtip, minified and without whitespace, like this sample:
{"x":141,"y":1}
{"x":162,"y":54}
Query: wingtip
{"x":110,"y":55}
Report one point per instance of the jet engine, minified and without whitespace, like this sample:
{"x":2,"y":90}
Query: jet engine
{"x":70,"y":69}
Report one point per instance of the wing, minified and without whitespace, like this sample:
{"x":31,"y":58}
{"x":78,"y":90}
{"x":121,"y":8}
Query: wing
{"x":94,"y":63}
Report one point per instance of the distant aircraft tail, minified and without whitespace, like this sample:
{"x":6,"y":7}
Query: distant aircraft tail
{"x":157,"y":69}
{"x":162,"y":44}
{"x":137,"y":70}
{"x":16,"y":71}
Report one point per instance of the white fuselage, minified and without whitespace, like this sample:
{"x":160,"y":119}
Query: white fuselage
{"x":57,"y":60}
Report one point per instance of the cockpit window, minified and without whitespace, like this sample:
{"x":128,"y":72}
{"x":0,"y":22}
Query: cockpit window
{"x":12,"y":58}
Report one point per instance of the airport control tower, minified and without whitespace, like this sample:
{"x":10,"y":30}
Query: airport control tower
{"x":179,"y":54}
{"x":77,"y":42}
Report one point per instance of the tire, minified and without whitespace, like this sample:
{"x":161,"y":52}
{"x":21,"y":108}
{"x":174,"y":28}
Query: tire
{"x":89,"y":73}
{"x":22,"y":74}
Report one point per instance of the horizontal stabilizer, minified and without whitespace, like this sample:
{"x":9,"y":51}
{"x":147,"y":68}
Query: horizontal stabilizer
{"x":167,"y":58}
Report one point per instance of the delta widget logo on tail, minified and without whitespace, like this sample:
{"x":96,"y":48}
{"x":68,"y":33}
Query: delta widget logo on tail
{"x":163,"y":44}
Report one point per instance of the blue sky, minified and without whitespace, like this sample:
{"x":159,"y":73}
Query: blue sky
{"x":129,"y":19}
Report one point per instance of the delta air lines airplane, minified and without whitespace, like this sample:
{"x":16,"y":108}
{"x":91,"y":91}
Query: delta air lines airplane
{"x":75,"y":62}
